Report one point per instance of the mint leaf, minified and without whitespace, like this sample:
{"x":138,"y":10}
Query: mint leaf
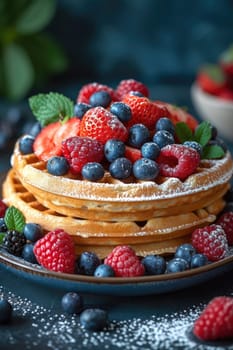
{"x":2,"y":235}
{"x":14,"y":219}
{"x":203,"y":133}
{"x":183,"y":132}
{"x":214,"y":71}
{"x":212,"y":152}
{"x":51,"y":107}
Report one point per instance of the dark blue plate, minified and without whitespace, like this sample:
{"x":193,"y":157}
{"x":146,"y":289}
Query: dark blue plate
{"x":133,"y":286}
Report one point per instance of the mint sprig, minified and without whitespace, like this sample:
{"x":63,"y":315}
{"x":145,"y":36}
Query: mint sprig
{"x":202,"y":135}
{"x":51,"y":107}
{"x":14,"y":219}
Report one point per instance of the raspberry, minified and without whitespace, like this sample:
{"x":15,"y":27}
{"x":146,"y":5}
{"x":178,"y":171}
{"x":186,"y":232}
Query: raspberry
{"x":125,"y":262}
{"x":81,"y":150}
{"x":98,"y":123}
{"x":216,"y":320}
{"x":56,"y":251}
{"x":211,"y":241}
{"x":128,"y":85}
{"x":226,"y":221}
{"x":3,"y":208}
{"x":178,"y":161}
{"x":144,"y":111}
{"x":89,"y":89}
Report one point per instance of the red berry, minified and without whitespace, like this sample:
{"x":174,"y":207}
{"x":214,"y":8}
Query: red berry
{"x":211,"y":79}
{"x":81,"y":150}
{"x":98,"y":123}
{"x":3,"y":208}
{"x":216,"y":320}
{"x":178,"y":161}
{"x":226,"y":221}
{"x":125,"y":262}
{"x":128,"y":85}
{"x":132,"y":154}
{"x":89,"y":89}
{"x":226,"y":94}
{"x":144,"y":111}
{"x":211,"y":241}
{"x":56,"y":251}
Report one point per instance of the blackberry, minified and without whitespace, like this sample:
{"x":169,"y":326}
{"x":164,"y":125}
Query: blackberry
{"x":14,"y":242}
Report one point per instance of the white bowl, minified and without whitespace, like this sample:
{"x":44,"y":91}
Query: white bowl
{"x":217,"y":111}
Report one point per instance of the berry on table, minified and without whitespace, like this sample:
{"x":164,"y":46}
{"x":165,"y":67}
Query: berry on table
{"x":216,"y":320}
{"x":114,"y":149}
{"x":138,"y":135}
{"x":165,"y":123}
{"x":154,"y":264}
{"x":93,"y":171}
{"x":72,"y":303}
{"x":100,"y":98}
{"x":88,"y":262}
{"x":177,"y":265}
{"x":80,"y":109}
{"x":13,"y":242}
{"x":6,"y":311}
{"x":212,"y":241}
{"x":32,"y":231}
{"x":94,"y":319}
{"x":121,"y":110}
{"x":57,"y":166}
{"x":28,"y":253}
{"x":125,"y":262}
{"x":226,"y":222}
{"x":150,"y":150}
{"x":104,"y":270}
{"x":121,"y":168}
{"x":163,"y":138}
{"x":145,"y":169}
{"x":56,"y":251}
{"x":26,"y":144}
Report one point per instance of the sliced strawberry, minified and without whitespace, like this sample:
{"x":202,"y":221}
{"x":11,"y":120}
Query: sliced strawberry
{"x":132,"y":154}
{"x":44,"y":146}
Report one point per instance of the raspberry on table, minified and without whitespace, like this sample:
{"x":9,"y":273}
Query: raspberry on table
{"x":226,"y":221}
{"x":89,"y":89}
{"x":178,"y":161}
{"x":128,"y":85}
{"x":81,"y":150}
{"x":56,"y":251}
{"x":211,"y":241}
{"x":216,"y":320}
{"x":125,"y":262}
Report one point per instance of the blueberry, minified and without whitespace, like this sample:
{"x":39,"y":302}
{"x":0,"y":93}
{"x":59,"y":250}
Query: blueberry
{"x":114,"y":149}
{"x":80,"y":109}
{"x":163,"y":138}
{"x":138,"y":135}
{"x":198,"y":260}
{"x":185,"y":251}
{"x":195,"y":145}
{"x":35,"y":129}
{"x":26,"y":144}
{"x":32,"y":232}
{"x":150,"y":150}
{"x":104,"y":270}
{"x":94,"y":319}
{"x":145,"y":169}
{"x":93,"y":171}
{"x":100,"y":98}
{"x":136,"y":93}
{"x":120,"y":168}
{"x":121,"y":110}
{"x":165,"y":124}
{"x":6,"y":311}
{"x":72,"y":303}
{"x":3,"y":227}
{"x":177,"y":265}
{"x":88,"y":263}
{"x":28,"y":253}
{"x":154,"y":264}
{"x":57,"y":166}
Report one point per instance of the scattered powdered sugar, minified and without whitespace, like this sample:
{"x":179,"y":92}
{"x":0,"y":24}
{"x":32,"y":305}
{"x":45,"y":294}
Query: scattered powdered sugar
{"x":39,"y":327}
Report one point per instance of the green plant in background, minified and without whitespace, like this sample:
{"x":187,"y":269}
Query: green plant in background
{"x":28,"y":55}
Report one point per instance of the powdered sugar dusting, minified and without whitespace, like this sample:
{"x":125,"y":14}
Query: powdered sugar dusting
{"x":55,"y":330}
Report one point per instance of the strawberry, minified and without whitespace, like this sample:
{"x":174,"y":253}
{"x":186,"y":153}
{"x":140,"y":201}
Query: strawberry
{"x":216,"y":320}
{"x":132,"y":154}
{"x":100,"y":124}
{"x":44,"y":146}
{"x":226,"y":64}
{"x":66,"y":130}
{"x":211,"y":79}
{"x":125,"y":262}
{"x":212,"y":241}
{"x":226,"y":221}
{"x":81,"y":150}
{"x":56,"y":251}
{"x":144,"y":111}
{"x":128,"y":85}
{"x":89,"y":89}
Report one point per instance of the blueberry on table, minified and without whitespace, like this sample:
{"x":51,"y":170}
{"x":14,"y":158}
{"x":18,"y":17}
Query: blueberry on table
{"x":114,"y":149}
{"x":121,"y":110}
{"x":32,"y":231}
{"x":145,"y":169}
{"x":92,"y":171}
{"x":154,"y":264}
{"x":72,"y":303}
{"x":58,"y":166}
{"x":6,"y":311}
{"x":94,"y":319}
{"x":138,"y":135}
{"x":104,"y":270}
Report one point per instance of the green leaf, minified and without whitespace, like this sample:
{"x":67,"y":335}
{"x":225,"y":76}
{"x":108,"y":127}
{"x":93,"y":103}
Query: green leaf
{"x":214,"y":71}
{"x":36,"y":15}
{"x":18,"y":72}
{"x":51,"y":107}
{"x":212,"y":152}
{"x":2,"y":235}
{"x":14,"y":219}
{"x":203,"y":133}
{"x":183,"y":132}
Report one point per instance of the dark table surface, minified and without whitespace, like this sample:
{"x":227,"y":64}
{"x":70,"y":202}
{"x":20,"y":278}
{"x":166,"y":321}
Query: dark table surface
{"x":161,"y":321}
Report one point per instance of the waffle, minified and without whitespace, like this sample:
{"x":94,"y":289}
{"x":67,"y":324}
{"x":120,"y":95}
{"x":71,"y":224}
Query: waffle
{"x":152,"y":217}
